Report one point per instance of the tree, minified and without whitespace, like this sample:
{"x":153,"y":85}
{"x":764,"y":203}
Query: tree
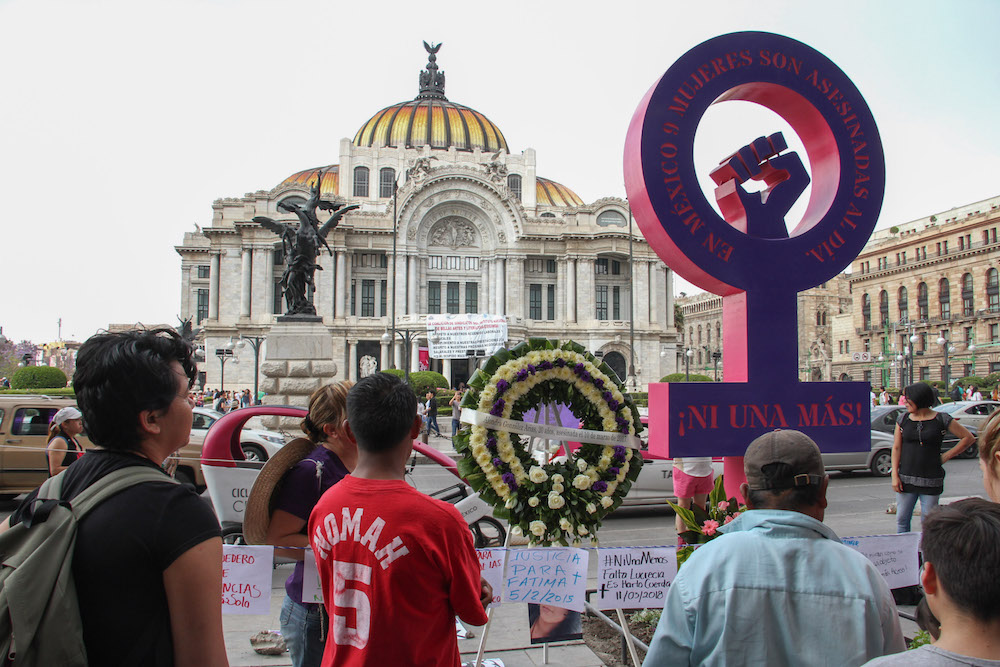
{"x":12,"y":355}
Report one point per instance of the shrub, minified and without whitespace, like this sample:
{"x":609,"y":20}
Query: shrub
{"x":424,"y":381}
{"x":38,"y":377}
{"x":682,"y":377}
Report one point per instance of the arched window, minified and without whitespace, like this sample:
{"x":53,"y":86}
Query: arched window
{"x":386,"y":179}
{"x":866,"y":312}
{"x":904,"y":306}
{"x":718,"y":332}
{"x":699,"y":335}
{"x":883,"y":308}
{"x":992,"y":291}
{"x":611,"y":219}
{"x":968,"y":296}
{"x":514,"y":183}
{"x":361,"y":181}
{"x":922,"y":311}
{"x":944,"y":298}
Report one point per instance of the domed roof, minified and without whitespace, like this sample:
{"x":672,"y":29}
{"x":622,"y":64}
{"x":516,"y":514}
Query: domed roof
{"x":431,"y":120}
{"x":328,"y":188}
{"x":550,"y":193}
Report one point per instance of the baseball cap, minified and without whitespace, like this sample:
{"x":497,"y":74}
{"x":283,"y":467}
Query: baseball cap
{"x":66,"y":413}
{"x":800,"y":454}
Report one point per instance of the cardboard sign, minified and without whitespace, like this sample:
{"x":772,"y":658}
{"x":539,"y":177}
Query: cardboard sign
{"x":551,"y":576}
{"x":246,"y":579}
{"x":491,"y":565}
{"x":312,"y":588}
{"x":894,"y":556}
{"x":634,"y":577}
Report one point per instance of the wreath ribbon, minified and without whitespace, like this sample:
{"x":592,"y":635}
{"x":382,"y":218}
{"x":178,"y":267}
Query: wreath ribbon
{"x":549,"y":431}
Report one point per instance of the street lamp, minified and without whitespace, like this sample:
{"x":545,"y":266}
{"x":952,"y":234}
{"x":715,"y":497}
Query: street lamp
{"x":225,"y":354}
{"x":688,"y":353}
{"x":913,"y":341}
{"x":407,"y":337}
{"x":947,"y":348}
{"x":255,"y":343}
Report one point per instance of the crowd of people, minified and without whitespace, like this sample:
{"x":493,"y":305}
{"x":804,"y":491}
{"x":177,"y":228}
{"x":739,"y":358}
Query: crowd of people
{"x":396,"y":566}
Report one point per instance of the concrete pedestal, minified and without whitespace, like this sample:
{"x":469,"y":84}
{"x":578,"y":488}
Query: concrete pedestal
{"x":299,"y":361}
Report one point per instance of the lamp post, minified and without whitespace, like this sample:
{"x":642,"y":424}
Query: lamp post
{"x":946,"y":348}
{"x":255,"y":342}
{"x":407,"y":337}
{"x":225,"y":354}
{"x":688,"y":353}
{"x":913,"y":342}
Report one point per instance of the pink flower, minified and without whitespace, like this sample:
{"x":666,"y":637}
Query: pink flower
{"x":723,"y":505}
{"x":729,"y":519}
{"x":709,"y":527}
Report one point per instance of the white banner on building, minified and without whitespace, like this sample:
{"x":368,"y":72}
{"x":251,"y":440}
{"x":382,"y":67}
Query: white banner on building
{"x":463,"y":336}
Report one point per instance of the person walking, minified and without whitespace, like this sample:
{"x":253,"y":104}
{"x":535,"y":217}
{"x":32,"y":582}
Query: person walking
{"x":432,"y":414}
{"x":917,"y":461}
{"x":63,"y":448}
{"x":456,"y":413}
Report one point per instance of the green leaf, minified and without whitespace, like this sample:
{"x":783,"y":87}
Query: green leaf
{"x":718,"y":493}
{"x":466,"y":468}
{"x":683,"y":554}
{"x":520,"y":350}
{"x":502,"y":357}
{"x":478,"y":381}
{"x":573,"y":346}
{"x":538,"y":343}
{"x":686,"y":516}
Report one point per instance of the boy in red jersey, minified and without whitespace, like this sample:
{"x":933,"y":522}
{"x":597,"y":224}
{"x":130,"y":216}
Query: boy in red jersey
{"x":396,"y":566}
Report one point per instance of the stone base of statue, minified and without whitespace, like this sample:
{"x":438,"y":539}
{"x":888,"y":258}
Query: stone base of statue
{"x":299,"y":361}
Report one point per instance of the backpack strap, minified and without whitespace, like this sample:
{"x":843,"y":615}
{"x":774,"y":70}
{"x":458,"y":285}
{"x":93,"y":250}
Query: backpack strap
{"x":113,"y":483}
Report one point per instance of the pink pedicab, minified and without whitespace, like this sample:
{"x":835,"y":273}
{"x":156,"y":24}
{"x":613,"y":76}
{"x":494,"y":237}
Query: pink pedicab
{"x":229,"y":477}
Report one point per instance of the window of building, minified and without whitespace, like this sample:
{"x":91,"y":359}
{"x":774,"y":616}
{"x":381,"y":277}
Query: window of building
{"x":611,"y":219}
{"x":202,"y":312}
{"x":204,"y":271}
{"x":435,"y":261}
{"x":434,"y":297}
{"x":904,"y":257}
{"x":961,"y":243}
{"x":945,"y":246}
{"x":514,"y":183}
{"x":601,"y":304}
{"x":601,"y":266}
{"x":868,"y":345}
{"x":367,"y":298}
{"x":386,"y":181}
{"x":866,"y":312}
{"x":616,"y":268}
{"x":472,"y":297}
{"x":968,"y":335}
{"x":923,"y":312}
{"x":847,"y":347}
{"x":994,"y":367}
{"x":550,"y":266}
{"x":551,"y":314}
{"x":992,"y":291}
{"x":471,"y":263}
{"x":453,"y":263}
{"x":925,"y":373}
{"x":904,"y":307}
{"x":534,"y":265}
{"x":841,"y":347}
{"x":966,"y":371}
{"x":534,"y":302}
{"x":995,"y":333}
{"x":454,"y":302}
{"x":547,"y":215}
{"x":361,"y":181}
{"x":279,"y":256}
{"x":277,"y":304}
{"x":354,"y":297}
{"x":883,"y":308}
{"x":944,"y":298}
{"x":968,"y":297}
{"x":616,"y":303}
{"x":384,"y":298}
{"x":867,"y":376}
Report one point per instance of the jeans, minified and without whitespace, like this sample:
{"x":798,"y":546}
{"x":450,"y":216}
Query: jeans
{"x":302,"y":627}
{"x":432,"y":423}
{"x":905,"y":502}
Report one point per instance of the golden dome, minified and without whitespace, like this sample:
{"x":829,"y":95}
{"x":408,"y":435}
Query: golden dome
{"x":431,"y":120}
{"x":328,"y":188}
{"x":550,"y":193}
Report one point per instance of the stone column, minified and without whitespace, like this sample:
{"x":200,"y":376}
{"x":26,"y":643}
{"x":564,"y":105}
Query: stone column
{"x":245,"y":267}
{"x":668,"y":301}
{"x":352,"y":370}
{"x":515,"y":287}
{"x":213,"y":288}
{"x":585,"y":294}
{"x":340,"y":291}
{"x":571,"y":290}
{"x":446,"y":371}
{"x":484,"y":286}
{"x":502,"y":286}
{"x":640,"y":299}
{"x":349,"y":294}
{"x":397,"y":353}
{"x":561,"y":295}
{"x":411,"y":286}
{"x":384,"y":361}
{"x":654,"y":288}
{"x":414,"y":356}
{"x":186,"y":309}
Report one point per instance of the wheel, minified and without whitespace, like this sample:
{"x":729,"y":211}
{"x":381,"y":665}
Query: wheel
{"x":971,"y":452}
{"x":254,"y":453}
{"x":233,"y":535}
{"x":488,"y":532}
{"x":882,"y":463}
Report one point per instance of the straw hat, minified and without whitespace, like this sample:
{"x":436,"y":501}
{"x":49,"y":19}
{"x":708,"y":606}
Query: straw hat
{"x":260,"y":504}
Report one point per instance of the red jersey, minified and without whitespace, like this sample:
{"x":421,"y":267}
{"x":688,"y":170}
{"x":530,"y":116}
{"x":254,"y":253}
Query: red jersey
{"x":396,"y":567}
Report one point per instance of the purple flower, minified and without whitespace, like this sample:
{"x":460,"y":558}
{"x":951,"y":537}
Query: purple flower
{"x":545,"y":365}
{"x":497,"y":463}
{"x":521,"y":375}
{"x":502,"y":386}
{"x":607,"y":396}
{"x":508,"y":479}
{"x":531,"y":368}
{"x":578,"y":369}
{"x":491,"y":443}
{"x":620,"y":451}
{"x":614,"y":405}
{"x":623,"y":428}
{"x":497,"y":408}
{"x":586,"y":377}
{"x":600,"y":486}
{"x":621,"y":421}
{"x":612,"y":470}
{"x":599,"y":383}
{"x":560,"y":362}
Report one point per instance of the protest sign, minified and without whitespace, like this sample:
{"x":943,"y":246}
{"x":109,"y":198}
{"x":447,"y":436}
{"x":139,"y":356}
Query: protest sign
{"x":312,"y":589}
{"x":491,"y":565}
{"x":463,"y":336}
{"x":551,"y":576}
{"x":246,"y":579}
{"x":634,"y":576}
{"x":894,"y":556}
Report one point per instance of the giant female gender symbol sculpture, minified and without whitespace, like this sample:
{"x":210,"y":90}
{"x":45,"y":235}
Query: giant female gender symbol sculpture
{"x":749,"y":257}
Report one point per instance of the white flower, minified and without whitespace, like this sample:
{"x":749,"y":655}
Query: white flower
{"x":565,"y":524}
{"x":592,"y":475}
{"x":516,"y":531}
{"x":606,"y":502}
{"x":537,"y":528}
{"x":537,"y":475}
{"x":511,"y":503}
{"x":557,"y":478}
{"x":556,"y":501}
{"x":577,"y":542}
{"x":533,"y":501}
{"x":558,"y":488}
{"x":605,"y":461}
{"x":582,"y":530}
{"x":581,"y":482}
{"x":581,"y":465}
{"x":611,"y":488}
{"x":591,"y":508}
{"x":487,"y":397}
{"x":534,"y":358}
{"x":478,"y":438}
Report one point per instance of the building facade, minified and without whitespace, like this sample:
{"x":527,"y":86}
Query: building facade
{"x":701,"y":331}
{"x":926,"y":301}
{"x":450,"y":221}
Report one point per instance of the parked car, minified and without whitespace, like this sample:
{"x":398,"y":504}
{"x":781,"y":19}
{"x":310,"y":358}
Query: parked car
{"x":884,"y":418}
{"x":258,"y":445}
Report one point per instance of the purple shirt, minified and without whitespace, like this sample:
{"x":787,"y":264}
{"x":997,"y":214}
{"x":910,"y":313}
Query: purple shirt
{"x":300,"y":490}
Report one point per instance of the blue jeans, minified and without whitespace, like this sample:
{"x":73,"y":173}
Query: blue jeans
{"x":302,"y":627}
{"x":905,"y":502}
{"x":432,"y":423}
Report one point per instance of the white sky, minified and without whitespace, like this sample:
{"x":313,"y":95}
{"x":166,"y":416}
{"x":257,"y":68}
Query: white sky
{"x":123,"y":120}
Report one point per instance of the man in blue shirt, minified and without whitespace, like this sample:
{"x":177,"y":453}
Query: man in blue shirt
{"x":778,"y":587}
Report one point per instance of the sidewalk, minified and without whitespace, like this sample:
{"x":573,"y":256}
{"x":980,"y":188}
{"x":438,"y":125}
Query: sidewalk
{"x":507,"y":640}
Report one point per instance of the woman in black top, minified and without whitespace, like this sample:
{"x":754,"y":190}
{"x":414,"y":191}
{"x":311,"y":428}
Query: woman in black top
{"x":63,"y":448}
{"x":917,"y":470}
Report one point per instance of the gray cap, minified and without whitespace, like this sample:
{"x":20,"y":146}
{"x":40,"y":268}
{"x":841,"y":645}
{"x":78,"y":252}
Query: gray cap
{"x":66,"y":413}
{"x":793,"y":448}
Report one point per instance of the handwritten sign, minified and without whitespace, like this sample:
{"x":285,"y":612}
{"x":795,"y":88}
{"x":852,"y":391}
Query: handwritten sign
{"x":491,"y":565}
{"x":894,"y":556}
{"x":634,"y":577}
{"x":246,"y":579}
{"x":312,"y":588}
{"x":552,"y":576}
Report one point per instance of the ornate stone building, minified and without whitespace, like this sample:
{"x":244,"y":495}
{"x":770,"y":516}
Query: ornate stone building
{"x":702,"y":330}
{"x":933,"y":279}
{"x":479,"y":231}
